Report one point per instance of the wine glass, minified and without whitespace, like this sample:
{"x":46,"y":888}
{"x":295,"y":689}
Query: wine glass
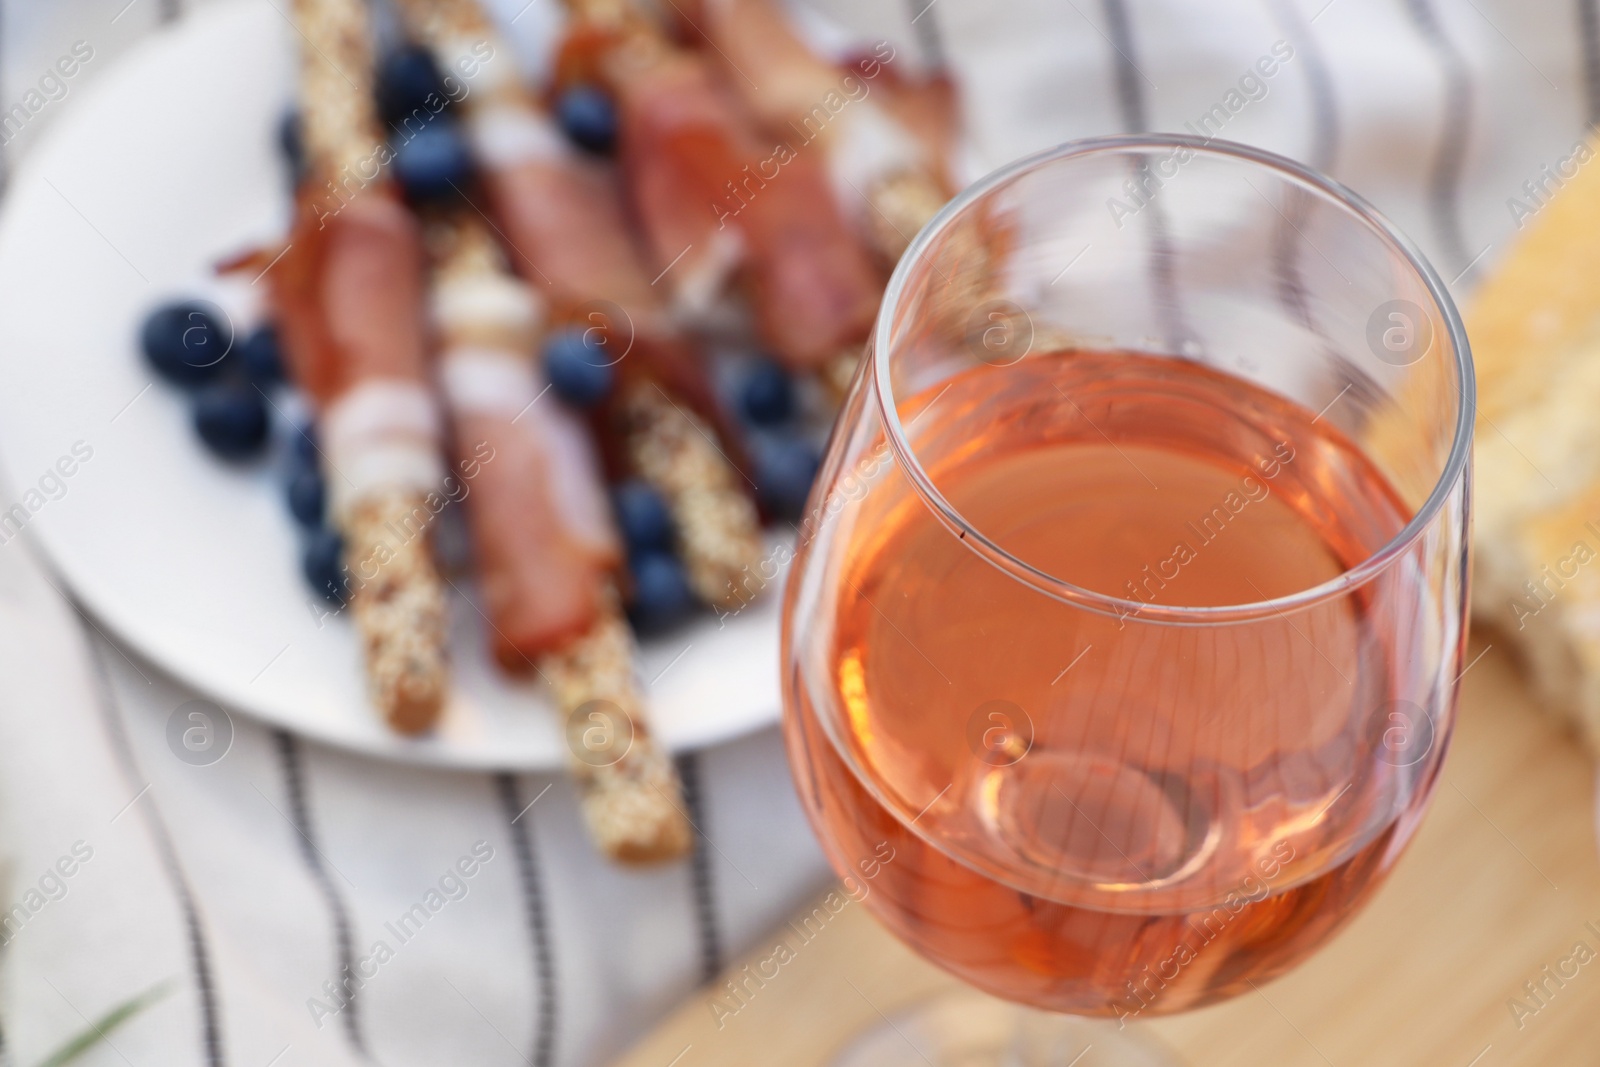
{"x":1123,"y":632}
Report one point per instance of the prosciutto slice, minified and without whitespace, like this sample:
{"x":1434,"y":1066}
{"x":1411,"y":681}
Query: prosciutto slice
{"x":567,"y":235}
{"x":888,"y":135}
{"x":711,"y":194}
{"x":540,"y":523}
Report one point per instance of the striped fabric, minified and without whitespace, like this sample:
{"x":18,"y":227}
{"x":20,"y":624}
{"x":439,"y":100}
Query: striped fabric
{"x":261,"y":884}
{"x":314,"y":907}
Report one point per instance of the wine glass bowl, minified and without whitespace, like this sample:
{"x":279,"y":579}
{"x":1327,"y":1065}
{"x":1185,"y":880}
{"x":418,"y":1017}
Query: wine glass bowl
{"x":1122,"y":635}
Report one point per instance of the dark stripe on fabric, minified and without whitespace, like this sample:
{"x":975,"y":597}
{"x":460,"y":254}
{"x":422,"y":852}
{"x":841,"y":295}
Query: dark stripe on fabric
{"x":294,"y":789}
{"x":1444,"y":192}
{"x":925,"y":24}
{"x":1319,"y":84}
{"x":1286,"y":247}
{"x":519,"y":823}
{"x":1589,"y":40}
{"x":5,"y":153}
{"x":1136,"y":119}
{"x":1287,"y":242}
{"x":211,"y":1040}
{"x":700,"y":873}
{"x":1130,"y":94}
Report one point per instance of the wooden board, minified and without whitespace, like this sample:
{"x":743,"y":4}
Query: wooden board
{"x":1499,"y":883}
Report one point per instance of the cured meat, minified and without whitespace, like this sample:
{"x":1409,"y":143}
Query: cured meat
{"x":888,"y":136}
{"x":566,"y":233}
{"x":347,"y":295}
{"x":705,"y":185}
{"x":543,"y":538}
{"x":541,"y":523}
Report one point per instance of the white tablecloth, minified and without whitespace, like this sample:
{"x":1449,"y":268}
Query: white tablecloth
{"x":245,"y":883}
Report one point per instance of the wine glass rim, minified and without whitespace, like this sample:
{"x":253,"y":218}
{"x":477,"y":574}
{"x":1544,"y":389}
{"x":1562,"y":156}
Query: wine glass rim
{"x":1455,"y":466}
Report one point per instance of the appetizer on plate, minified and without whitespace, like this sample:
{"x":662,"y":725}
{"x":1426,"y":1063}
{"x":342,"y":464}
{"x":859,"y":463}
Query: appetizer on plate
{"x":590,"y":321}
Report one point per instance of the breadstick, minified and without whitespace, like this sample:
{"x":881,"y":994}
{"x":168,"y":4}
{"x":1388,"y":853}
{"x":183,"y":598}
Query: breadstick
{"x":632,"y":798}
{"x":885,"y":141}
{"x":718,"y":530}
{"x":545,"y":544}
{"x":348,"y":295}
{"x":711,"y":193}
{"x":568,"y":236}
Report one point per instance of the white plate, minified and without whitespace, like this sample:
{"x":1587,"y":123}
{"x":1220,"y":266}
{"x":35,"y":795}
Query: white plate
{"x":161,"y":166}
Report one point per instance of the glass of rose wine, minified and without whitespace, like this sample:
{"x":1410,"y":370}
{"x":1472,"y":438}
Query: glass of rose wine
{"x":1122,"y":637}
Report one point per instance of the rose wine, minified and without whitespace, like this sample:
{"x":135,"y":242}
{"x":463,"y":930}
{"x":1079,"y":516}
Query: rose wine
{"x":1114,"y":812}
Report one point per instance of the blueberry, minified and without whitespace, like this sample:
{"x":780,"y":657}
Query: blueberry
{"x":766,"y":397}
{"x":186,"y":341}
{"x":322,"y":563}
{"x":589,"y":118}
{"x":452,"y":541}
{"x":785,"y":468}
{"x":410,"y":86}
{"x":303,"y":446}
{"x":578,"y":370}
{"x":292,"y":143}
{"x":262,"y":358}
{"x":433,"y":163}
{"x":661,"y":593}
{"x":307,"y":495}
{"x":231,"y":418}
{"x":646,"y":523}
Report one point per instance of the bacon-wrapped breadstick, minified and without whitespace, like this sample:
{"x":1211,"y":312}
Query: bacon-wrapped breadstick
{"x":719,"y":533}
{"x":568,"y":237}
{"x":348,"y":297}
{"x":711,"y":194}
{"x":544,"y":541}
{"x":887,"y":141}
{"x":545,"y":546}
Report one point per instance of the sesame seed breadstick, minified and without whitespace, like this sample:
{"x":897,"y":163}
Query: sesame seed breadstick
{"x":718,"y":529}
{"x":347,"y":297}
{"x":693,"y":156}
{"x":632,"y":799}
{"x":435,"y":22}
{"x":400,"y":613}
{"x":902,"y":202}
{"x":535,"y":538}
{"x":339,"y":119}
{"x":885,"y":147}
{"x":666,"y":441}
